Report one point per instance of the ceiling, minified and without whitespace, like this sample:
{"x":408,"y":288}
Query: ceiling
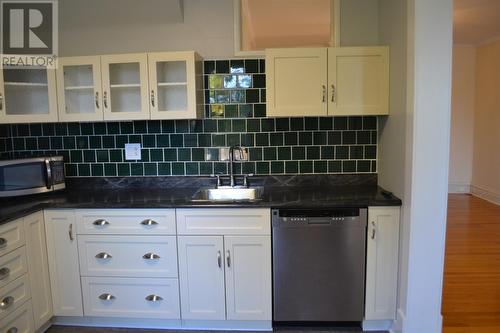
{"x":475,"y":21}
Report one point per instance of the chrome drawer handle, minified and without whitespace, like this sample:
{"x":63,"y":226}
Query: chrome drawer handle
{"x":4,"y":273}
{"x":12,"y":330}
{"x":149,"y":222}
{"x":103,"y":255}
{"x":100,"y":223}
{"x":151,"y":256}
{"x":6,"y":302}
{"x":106,"y":297}
{"x":153,"y":298}
{"x":3,"y":243}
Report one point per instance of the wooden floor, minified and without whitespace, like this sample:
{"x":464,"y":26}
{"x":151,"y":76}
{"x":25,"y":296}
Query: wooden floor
{"x":471,"y":291}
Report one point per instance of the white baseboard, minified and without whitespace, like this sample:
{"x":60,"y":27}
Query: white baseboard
{"x":486,"y":194}
{"x":227,"y":325}
{"x":376,"y":325}
{"x":459,"y":188}
{"x":397,"y":326}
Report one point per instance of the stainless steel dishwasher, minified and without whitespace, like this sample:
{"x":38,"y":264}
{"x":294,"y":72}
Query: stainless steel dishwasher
{"x":319,"y":264}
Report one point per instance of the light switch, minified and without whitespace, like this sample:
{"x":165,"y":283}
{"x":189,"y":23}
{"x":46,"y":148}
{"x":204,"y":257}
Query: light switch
{"x":132,"y":151}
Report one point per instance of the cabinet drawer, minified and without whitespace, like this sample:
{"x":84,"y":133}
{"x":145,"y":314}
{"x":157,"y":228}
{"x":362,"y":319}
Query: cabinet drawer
{"x":138,"y":256}
{"x":224,"y":221}
{"x":11,"y":236}
{"x":131,"y":298}
{"x":13,"y":295}
{"x":126,"y":221}
{"x":12,"y":266}
{"x":19,"y":321}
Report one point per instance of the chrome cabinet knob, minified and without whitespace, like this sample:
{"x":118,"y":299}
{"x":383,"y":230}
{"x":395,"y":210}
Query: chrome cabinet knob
{"x":3,"y":243}
{"x":100,"y":223}
{"x":149,"y":222}
{"x":151,"y":256}
{"x":153,"y":298}
{"x":6,"y":302}
{"x":103,"y":255}
{"x":106,"y":297}
{"x":4,"y":273}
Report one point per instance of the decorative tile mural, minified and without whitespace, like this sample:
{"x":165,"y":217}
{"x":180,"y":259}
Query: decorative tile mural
{"x":235,"y":112}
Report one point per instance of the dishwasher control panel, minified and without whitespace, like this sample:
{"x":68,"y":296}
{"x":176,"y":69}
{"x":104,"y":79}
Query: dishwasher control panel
{"x":299,"y":217}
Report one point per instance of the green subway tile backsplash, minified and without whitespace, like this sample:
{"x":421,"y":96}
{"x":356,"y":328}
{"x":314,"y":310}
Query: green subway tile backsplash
{"x":235,"y":113}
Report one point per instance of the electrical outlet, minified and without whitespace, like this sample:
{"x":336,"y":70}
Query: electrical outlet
{"x":132,"y":151}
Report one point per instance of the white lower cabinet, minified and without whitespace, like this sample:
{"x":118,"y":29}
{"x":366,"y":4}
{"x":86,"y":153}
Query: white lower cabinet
{"x":382,"y":263}
{"x":19,"y":321}
{"x":38,"y":267}
{"x":128,"y":256}
{"x":201,"y":266}
{"x":248,"y":276}
{"x":225,"y":275}
{"x":64,"y":270}
{"x":13,"y":295}
{"x":131,"y":297}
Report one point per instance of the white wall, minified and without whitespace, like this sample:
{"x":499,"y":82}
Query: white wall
{"x":462,"y":118}
{"x":90,"y":27}
{"x":429,"y":60}
{"x":392,"y":129}
{"x":359,"y":22}
{"x":486,"y":165}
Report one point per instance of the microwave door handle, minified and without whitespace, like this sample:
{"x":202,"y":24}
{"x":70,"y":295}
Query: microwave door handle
{"x":49,"y":174}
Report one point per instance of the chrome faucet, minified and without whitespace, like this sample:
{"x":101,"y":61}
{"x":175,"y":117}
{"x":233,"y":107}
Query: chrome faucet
{"x":231,"y":161}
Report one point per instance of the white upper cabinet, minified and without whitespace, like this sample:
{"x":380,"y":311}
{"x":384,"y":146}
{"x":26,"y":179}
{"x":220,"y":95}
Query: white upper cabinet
{"x":125,"y":86}
{"x":79,"y":89}
{"x":174,"y":83}
{"x":296,"y":81}
{"x":358,"y":79}
{"x":327,"y":81}
{"x":28,"y":95}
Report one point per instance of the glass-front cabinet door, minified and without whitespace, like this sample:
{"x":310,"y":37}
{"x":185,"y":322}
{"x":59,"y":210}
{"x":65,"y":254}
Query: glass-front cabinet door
{"x":79,"y":89}
{"x":28,"y":95}
{"x":125,"y":86}
{"x":174,"y":82}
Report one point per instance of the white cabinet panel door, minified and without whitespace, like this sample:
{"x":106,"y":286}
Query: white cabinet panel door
{"x":296,"y":82}
{"x":174,"y":82}
{"x":64,"y":270}
{"x":248,"y":277}
{"x":201,"y":269}
{"x":28,"y":95}
{"x":19,"y":321}
{"x":11,"y":236}
{"x":125,"y":256}
{"x":382,"y":263}
{"x":131,"y":297}
{"x":358,"y":81}
{"x":79,"y":91}
{"x":125,"y":86}
{"x":38,"y":267}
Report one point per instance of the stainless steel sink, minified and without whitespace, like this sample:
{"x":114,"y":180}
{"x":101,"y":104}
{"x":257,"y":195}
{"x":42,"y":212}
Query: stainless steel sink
{"x":226,"y":193}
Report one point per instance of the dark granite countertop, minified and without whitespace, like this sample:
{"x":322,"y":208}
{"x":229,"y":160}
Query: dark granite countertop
{"x":277,"y":194}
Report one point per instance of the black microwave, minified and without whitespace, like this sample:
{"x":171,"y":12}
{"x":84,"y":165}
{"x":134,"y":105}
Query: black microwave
{"x":31,"y":175}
